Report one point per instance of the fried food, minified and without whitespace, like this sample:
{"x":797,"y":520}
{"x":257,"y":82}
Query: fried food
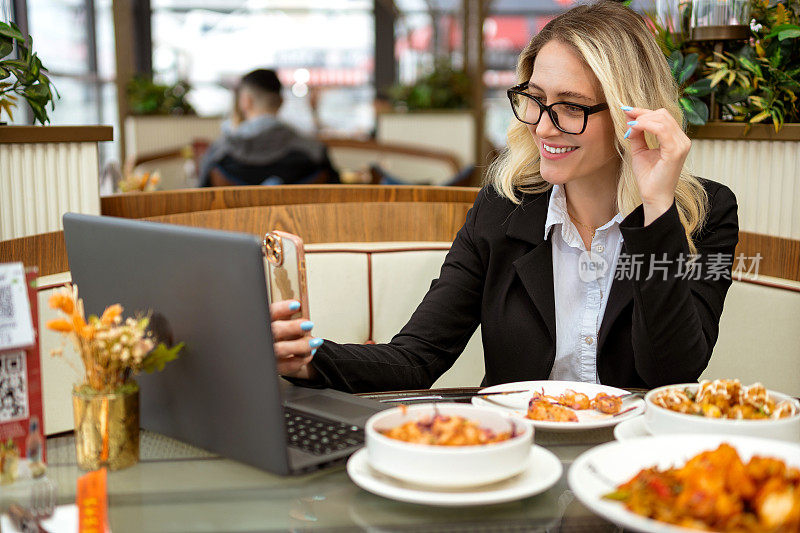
{"x":717,"y":491}
{"x":608,"y":404}
{"x":544,"y":410}
{"x":446,"y":430}
{"x":561,"y":408}
{"x":724,"y":398}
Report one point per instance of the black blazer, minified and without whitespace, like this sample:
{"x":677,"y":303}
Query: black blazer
{"x":499,"y":274}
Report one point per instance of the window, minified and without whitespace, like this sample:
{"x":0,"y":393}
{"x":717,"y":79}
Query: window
{"x":327,"y":46}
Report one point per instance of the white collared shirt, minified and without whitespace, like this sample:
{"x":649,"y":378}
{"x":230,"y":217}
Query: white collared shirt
{"x":582,"y":280}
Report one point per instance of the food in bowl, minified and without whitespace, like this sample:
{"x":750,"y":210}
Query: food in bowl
{"x":444,"y":430}
{"x":562,"y":408}
{"x":682,"y":408}
{"x":724,"y":398}
{"x":447,"y":466}
{"x":715,"y":490}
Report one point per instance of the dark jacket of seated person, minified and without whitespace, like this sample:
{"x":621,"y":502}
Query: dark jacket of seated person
{"x":657,"y":329}
{"x":263,"y":150}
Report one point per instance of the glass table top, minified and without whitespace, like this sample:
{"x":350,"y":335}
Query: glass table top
{"x":176,"y":487}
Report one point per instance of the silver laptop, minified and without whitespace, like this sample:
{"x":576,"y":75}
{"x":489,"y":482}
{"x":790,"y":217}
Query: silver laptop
{"x":207,"y":288}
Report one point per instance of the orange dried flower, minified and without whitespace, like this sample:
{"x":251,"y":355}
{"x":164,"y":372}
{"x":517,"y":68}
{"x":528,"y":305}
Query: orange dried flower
{"x":110,"y":314}
{"x":62,"y":301}
{"x":61,"y":325}
{"x":78,"y":323}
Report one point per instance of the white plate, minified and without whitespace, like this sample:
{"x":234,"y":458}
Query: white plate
{"x":592,"y":473}
{"x":544,"y":470}
{"x":517,"y":404}
{"x":631,"y":429}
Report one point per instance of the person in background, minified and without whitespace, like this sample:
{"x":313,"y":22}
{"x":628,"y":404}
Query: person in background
{"x":258,"y":149}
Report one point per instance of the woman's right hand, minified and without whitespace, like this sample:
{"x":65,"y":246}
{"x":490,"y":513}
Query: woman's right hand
{"x":294,"y":344}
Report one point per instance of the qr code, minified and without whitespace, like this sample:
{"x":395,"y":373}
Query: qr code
{"x":13,"y":387}
{"x":6,"y":303}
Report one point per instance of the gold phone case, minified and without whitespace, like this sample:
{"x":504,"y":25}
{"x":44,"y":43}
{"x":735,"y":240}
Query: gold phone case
{"x":285,"y":264}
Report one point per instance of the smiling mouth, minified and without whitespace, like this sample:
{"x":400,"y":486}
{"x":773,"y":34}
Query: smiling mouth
{"x":553,"y":150}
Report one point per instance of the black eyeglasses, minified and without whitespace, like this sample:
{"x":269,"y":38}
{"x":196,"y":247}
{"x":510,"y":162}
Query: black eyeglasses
{"x":566,"y":116}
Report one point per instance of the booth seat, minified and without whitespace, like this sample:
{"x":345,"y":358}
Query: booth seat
{"x":361,"y":292}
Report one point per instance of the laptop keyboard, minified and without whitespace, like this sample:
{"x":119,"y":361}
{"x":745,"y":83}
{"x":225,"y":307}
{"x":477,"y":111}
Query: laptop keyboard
{"x":318,"y":435}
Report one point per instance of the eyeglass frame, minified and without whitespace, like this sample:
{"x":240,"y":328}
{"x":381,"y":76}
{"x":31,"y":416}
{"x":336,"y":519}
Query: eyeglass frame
{"x":587,"y":109}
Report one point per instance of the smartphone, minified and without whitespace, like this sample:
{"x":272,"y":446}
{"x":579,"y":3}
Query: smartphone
{"x":285,"y":264}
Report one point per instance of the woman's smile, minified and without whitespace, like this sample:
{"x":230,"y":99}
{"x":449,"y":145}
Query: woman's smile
{"x":556,"y":151}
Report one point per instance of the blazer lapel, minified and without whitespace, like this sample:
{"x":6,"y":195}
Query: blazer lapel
{"x":535,"y":268}
{"x":619,"y":296}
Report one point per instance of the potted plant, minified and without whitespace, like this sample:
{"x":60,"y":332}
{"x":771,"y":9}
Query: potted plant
{"x":146,"y":97}
{"x":433,"y":112}
{"x":754,"y":82}
{"x":760,"y":82}
{"x":23,"y":77}
{"x":106,"y":404}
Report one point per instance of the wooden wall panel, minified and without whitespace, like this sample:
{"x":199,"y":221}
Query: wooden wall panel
{"x":144,"y":205}
{"x":780,"y":257}
{"x":46,"y":251}
{"x":341,"y":222}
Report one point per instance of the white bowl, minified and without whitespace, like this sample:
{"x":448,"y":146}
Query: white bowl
{"x":448,"y":466}
{"x":662,"y":421}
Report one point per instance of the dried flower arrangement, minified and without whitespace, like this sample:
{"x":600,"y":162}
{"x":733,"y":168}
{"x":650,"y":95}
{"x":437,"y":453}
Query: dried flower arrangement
{"x":113,"y":350}
{"x":146,"y":182}
{"x":9,"y":457}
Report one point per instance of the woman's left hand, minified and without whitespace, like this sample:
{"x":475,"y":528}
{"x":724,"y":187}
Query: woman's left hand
{"x":657,"y":169}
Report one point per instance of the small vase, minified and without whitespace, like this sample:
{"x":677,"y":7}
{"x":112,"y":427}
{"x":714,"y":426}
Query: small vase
{"x":106,"y":427}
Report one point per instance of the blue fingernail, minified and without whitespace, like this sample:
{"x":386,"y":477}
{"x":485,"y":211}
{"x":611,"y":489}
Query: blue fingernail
{"x":294,"y":306}
{"x":633,"y":122}
{"x":313,"y":352}
{"x":626,"y":108}
{"x":307,"y":325}
{"x":627,"y":134}
{"x":315,"y":343}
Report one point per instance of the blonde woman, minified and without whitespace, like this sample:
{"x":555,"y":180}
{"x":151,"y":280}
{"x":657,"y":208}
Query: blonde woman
{"x":591,"y":255}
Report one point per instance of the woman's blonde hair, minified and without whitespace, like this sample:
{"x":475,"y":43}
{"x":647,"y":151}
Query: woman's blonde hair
{"x":615,"y":43}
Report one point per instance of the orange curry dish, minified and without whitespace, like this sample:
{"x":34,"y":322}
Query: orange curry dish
{"x":717,"y":491}
{"x":446,"y":430}
{"x":724,"y":398}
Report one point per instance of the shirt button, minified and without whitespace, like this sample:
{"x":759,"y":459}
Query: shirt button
{"x":589,"y":340}
{"x":600,"y":248}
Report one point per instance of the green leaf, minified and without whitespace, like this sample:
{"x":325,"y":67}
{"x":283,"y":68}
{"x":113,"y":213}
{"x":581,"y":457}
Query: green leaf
{"x":6,"y":47}
{"x":160,"y":356}
{"x":688,"y":68}
{"x":11,"y":31}
{"x":789,"y":34}
{"x":695,"y":110}
{"x":716,"y":77}
{"x":761,"y":116}
{"x":778,"y":28}
{"x":675,"y":62}
{"x":38,"y":112}
{"x":37,"y":92}
{"x":699,"y":88}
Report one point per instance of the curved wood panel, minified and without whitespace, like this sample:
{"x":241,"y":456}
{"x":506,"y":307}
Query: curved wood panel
{"x":143,"y":205}
{"x":342,"y":222}
{"x":46,"y":251}
{"x":780,"y":257}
